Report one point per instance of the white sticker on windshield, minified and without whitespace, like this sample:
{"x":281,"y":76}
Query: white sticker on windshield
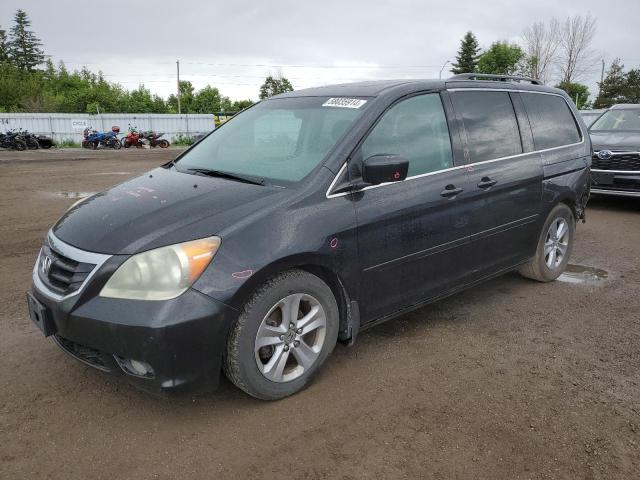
{"x":344,"y":102}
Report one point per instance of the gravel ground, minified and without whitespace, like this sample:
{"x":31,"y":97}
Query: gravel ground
{"x":513,"y":379}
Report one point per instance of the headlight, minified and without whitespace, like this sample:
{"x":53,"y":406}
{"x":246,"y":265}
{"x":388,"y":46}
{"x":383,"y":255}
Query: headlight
{"x":163,"y":273}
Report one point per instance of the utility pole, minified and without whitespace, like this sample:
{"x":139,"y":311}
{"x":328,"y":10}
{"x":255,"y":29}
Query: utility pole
{"x":601,"y":79}
{"x":178,"y":69}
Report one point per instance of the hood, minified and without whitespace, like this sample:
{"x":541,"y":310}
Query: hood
{"x":159,"y":208}
{"x":611,"y":140}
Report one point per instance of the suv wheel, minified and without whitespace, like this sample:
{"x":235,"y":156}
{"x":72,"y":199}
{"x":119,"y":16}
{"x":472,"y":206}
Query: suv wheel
{"x":283,"y":335}
{"x":554,"y":246}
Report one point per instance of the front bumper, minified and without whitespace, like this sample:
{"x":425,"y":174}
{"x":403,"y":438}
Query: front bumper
{"x":615,"y":182}
{"x":182,"y":339}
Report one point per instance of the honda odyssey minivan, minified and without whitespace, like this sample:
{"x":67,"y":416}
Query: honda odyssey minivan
{"x":307,"y":218}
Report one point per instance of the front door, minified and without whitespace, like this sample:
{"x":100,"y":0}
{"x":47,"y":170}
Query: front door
{"x":411,"y":234}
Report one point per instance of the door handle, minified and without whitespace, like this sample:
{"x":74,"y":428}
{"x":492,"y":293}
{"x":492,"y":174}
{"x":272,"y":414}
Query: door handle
{"x":486,"y":182}
{"x":451,"y":191}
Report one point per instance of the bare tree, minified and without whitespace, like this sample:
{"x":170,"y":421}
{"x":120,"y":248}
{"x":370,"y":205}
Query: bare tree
{"x":576,"y":58}
{"x":541,"y":42}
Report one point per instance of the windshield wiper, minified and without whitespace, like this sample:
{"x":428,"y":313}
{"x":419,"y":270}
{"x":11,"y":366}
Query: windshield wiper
{"x":231,"y":176}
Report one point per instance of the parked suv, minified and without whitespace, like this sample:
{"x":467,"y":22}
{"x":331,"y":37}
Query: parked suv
{"x":306,"y":219}
{"x":616,"y":151}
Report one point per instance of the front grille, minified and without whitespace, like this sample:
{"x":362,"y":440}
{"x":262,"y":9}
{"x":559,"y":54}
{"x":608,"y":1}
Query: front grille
{"x":61,"y":274}
{"x":619,"y":161}
{"x":88,"y":355}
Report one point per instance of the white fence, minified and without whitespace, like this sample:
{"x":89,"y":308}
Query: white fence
{"x":63,"y":126}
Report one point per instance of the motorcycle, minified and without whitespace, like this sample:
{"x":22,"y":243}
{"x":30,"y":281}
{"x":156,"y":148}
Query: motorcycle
{"x":93,"y":138}
{"x":30,"y":139}
{"x":133,"y":138}
{"x":155,"y":140}
{"x":12,"y":141}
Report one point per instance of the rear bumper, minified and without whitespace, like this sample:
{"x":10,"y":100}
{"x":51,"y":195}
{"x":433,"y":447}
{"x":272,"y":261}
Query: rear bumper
{"x":183,"y":339}
{"x":615,"y":182}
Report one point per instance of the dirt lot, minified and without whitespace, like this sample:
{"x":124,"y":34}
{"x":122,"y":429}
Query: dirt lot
{"x":513,"y":379}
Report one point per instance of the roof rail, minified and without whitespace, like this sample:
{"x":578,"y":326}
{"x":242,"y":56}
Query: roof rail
{"x":495,"y":77}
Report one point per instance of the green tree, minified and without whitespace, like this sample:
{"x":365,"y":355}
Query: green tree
{"x":208,"y":100}
{"x":24,"y":46}
{"x":578,"y":92}
{"x":4,"y":46}
{"x":612,"y":88}
{"x":241,"y":105}
{"x":274,"y":86}
{"x":632,"y":86}
{"x":468,"y":54}
{"x":502,"y":58}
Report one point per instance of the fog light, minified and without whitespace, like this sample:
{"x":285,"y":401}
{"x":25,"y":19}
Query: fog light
{"x":137,"y":368}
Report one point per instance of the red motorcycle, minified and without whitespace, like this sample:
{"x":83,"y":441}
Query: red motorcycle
{"x":132,"y":139}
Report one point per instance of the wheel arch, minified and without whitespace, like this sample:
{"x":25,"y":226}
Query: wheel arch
{"x":320,"y":267}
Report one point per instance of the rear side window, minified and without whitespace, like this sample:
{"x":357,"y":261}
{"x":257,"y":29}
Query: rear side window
{"x":417,"y":130}
{"x":551,"y":120}
{"x":490,"y":124}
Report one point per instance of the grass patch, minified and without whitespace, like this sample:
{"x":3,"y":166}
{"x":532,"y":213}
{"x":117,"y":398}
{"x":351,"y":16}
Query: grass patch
{"x":182,"y":141}
{"x":67,"y":143}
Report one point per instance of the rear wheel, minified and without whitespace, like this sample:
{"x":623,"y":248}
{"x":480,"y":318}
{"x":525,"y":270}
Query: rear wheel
{"x":19,"y":145}
{"x":284,"y":334}
{"x":32,"y":143}
{"x":554,"y":246}
{"x":117,"y":145}
{"x":163,"y":144}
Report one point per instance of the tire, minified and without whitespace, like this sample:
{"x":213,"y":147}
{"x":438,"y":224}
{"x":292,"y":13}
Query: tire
{"x":261,"y":315}
{"x":32,"y":144}
{"x":126,"y":143}
{"x":116,"y":144}
{"x":19,"y":145}
{"x":93,"y":145}
{"x":546,"y":267}
{"x":163,"y":144}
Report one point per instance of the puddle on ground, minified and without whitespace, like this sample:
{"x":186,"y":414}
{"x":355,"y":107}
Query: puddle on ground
{"x":75,"y":195}
{"x":582,"y":274}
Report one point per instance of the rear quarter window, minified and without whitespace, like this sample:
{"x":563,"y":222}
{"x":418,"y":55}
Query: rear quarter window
{"x":552,"y":122}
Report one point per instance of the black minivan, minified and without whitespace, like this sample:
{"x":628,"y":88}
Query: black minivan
{"x":307,"y":218}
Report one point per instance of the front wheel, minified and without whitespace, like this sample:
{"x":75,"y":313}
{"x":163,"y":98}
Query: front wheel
{"x":554,"y":246}
{"x":163,"y":144}
{"x":116,"y":144}
{"x":19,"y":145}
{"x":284,"y":334}
{"x":32,"y":143}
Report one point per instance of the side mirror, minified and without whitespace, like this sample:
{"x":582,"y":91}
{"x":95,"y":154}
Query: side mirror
{"x":384,"y":168}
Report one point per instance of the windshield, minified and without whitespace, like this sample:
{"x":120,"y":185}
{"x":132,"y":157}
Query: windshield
{"x":628,"y":119}
{"x":278,"y":140}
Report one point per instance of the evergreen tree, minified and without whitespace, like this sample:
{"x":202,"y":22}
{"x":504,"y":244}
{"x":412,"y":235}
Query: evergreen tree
{"x":274,"y":86}
{"x":632,"y":86}
{"x":4,"y":46}
{"x":612,"y":88}
{"x":468,"y":54}
{"x":24,"y":46}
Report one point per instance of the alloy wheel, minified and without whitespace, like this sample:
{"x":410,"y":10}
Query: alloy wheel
{"x":556,"y":243}
{"x":290,"y":337}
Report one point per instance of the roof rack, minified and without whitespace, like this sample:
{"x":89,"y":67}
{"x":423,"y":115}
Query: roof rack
{"x":495,"y":77}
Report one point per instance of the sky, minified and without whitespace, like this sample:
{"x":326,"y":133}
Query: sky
{"x":234,"y":44}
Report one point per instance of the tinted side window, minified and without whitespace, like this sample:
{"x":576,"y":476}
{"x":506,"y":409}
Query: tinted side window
{"x":416,"y":129}
{"x":490,"y":124}
{"x":551,"y":120}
